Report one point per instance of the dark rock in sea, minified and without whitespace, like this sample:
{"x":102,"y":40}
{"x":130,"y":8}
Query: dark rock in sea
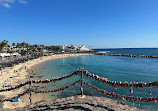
{"x":39,"y":76}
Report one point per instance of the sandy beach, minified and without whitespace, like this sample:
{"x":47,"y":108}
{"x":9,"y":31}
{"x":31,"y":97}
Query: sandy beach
{"x":18,"y":74}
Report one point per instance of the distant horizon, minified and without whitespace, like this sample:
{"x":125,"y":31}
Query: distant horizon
{"x":10,"y":43}
{"x":128,"y":48}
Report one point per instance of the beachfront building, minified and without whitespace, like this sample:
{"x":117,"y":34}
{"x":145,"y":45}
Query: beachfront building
{"x":47,"y":52}
{"x":17,"y":49}
{"x":13,"y":49}
{"x":4,"y":54}
{"x":63,"y":48}
{"x":83,"y":48}
{"x":9,"y":54}
{"x":73,"y":48}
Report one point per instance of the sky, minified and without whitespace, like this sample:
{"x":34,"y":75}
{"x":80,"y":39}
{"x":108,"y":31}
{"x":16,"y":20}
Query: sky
{"x":95,"y":23}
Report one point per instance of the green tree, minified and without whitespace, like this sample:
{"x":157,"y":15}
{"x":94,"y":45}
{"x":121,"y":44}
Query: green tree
{"x":3,"y":44}
{"x":13,"y":44}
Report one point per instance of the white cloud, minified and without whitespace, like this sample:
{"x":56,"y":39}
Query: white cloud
{"x":7,"y":3}
{"x":23,"y":1}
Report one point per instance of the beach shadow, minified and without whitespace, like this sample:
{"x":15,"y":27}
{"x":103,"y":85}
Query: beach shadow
{"x":104,"y":107}
{"x":1,"y":104}
{"x":68,"y":106}
{"x":64,"y":108}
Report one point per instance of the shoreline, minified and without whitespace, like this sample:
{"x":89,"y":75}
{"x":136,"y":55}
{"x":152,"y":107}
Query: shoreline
{"x":19,"y":73}
{"x":36,"y":98}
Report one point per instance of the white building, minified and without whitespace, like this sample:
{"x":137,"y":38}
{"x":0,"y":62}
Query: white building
{"x":4,"y":55}
{"x":73,"y":48}
{"x":9,"y":54}
{"x":63,"y":48}
{"x":83,"y":48}
{"x":15,"y":49}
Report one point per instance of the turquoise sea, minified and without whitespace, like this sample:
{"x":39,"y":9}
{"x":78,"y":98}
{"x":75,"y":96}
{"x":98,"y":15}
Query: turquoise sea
{"x":115,"y":68}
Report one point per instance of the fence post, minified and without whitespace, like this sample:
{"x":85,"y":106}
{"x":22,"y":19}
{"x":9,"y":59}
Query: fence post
{"x":81,"y":82}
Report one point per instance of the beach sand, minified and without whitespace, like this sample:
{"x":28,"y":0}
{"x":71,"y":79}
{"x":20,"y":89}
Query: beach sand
{"x":20,"y":73}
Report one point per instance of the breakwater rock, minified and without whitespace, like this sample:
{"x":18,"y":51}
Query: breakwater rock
{"x":129,"y":55}
{"x":85,"y":103}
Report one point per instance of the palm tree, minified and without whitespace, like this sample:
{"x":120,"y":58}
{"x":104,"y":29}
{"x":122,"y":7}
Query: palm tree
{"x":13,"y":44}
{"x":54,"y":48}
{"x":3,"y":44}
{"x":18,"y":45}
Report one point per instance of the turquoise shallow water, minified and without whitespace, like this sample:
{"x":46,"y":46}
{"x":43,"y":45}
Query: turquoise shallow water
{"x":113,"y":67}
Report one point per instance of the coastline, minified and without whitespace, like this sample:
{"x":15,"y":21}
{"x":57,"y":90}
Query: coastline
{"x":20,"y":73}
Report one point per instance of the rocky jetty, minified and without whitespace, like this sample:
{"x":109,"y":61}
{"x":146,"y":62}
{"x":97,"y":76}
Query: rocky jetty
{"x":78,"y":103}
{"x":128,"y":55}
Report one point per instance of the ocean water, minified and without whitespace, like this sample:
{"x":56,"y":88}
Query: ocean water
{"x":115,"y":68}
{"x":134,"y":51}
